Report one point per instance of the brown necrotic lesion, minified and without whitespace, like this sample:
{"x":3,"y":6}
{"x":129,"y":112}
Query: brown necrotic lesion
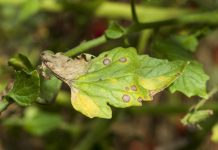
{"x":64,"y":67}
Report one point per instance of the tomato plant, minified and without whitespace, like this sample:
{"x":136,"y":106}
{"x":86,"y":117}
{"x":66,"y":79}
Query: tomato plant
{"x":135,"y":61}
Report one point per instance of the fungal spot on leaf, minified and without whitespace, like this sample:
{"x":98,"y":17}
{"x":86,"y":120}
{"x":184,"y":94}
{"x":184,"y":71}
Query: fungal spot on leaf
{"x":133,"y":88}
{"x":140,"y":99}
{"x":105,"y":55}
{"x":123,"y":59}
{"x":106,"y":61}
{"x":127,"y":88}
{"x":126,"y":98}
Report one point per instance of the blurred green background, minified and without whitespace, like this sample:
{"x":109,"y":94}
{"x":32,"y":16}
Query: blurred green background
{"x":32,"y":26}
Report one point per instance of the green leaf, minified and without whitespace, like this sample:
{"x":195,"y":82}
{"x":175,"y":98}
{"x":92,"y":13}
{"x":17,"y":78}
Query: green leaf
{"x":26,"y":88}
{"x":48,"y":89}
{"x":192,"y":82}
{"x":119,"y":77}
{"x":114,"y":31}
{"x":168,"y":49}
{"x":21,"y":62}
{"x":189,"y":42}
{"x":39,"y":122}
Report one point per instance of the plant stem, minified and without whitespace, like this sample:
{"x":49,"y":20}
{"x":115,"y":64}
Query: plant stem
{"x":143,"y":26}
{"x":119,"y":10}
{"x":4,"y":103}
{"x":86,"y":45}
{"x":133,"y":10}
{"x":210,"y":17}
{"x":203,"y":101}
{"x":102,"y":39}
{"x":143,"y":41}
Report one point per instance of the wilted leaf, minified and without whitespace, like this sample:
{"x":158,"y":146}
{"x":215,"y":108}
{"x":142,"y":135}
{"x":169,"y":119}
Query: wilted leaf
{"x":119,"y":77}
{"x":26,"y":88}
{"x":192,"y":82}
{"x":64,"y":67}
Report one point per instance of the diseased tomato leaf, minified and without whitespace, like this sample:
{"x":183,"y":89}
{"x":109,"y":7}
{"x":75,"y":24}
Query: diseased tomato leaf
{"x":119,"y":78}
{"x":193,"y":79}
{"x":192,"y":82}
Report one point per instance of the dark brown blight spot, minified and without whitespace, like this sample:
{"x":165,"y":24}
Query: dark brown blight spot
{"x":133,"y":88}
{"x":123,"y":59}
{"x":126,"y":98}
{"x":140,"y":100}
{"x":106,"y":61}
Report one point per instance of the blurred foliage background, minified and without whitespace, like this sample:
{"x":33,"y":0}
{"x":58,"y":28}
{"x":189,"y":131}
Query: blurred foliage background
{"x":31,"y":26}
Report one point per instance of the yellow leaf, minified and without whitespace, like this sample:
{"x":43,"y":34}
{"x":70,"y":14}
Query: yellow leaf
{"x":83,"y":103}
{"x":156,"y":83}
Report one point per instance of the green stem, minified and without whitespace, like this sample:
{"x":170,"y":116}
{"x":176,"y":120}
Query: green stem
{"x":198,"y":18}
{"x":4,"y":103}
{"x":143,"y":26}
{"x":143,"y":41}
{"x":86,"y":45}
{"x":203,"y":101}
{"x":119,"y":10}
{"x":133,"y":10}
{"x":102,"y":39}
